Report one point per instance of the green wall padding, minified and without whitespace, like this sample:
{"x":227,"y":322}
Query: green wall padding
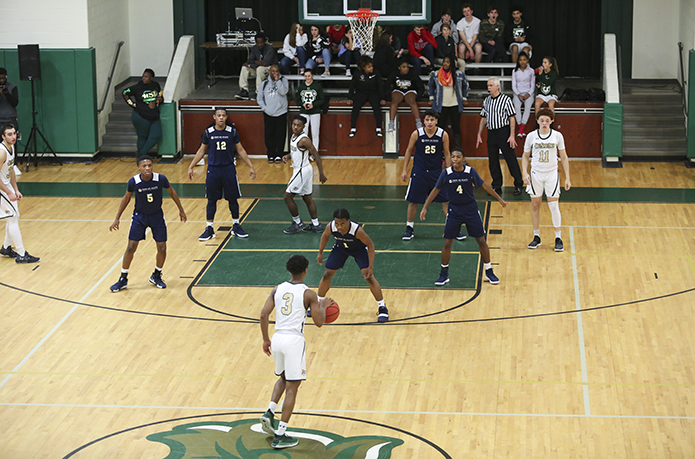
{"x":167,"y":114}
{"x":66,"y":99}
{"x":612,"y":130}
{"x":691,"y":105}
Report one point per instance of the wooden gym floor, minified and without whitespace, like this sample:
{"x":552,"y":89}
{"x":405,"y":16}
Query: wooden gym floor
{"x":583,"y":354}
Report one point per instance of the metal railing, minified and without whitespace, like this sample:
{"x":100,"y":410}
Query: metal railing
{"x":683,"y":82}
{"x":108,"y":82}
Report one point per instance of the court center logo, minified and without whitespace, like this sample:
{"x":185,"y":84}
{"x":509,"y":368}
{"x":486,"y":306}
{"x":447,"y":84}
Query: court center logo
{"x":246,"y":439}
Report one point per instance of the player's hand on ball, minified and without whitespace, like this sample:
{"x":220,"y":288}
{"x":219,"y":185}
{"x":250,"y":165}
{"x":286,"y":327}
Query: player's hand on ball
{"x":266,"y":347}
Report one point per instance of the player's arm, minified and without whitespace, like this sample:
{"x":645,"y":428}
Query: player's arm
{"x":566,"y":166}
{"x":322,"y":245}
{"x":481,"y":126}
{"x":242,"y":154}
{"x":306,"y":143}
{"x":13,"y":182}
{"x":408,"y":154}
{"x":9,"y":192}
{"x":318,"y":308}
{"x":265,"y":319}
{"x":366,"y":240}
{"x":175,"y":197}
{"x":196,"y":159}
{"x":494,"y":194}
{"x":447,"y":152}
{"x":430,"y":198}
{"x":121,"y":208}
{"x":524,"y":166}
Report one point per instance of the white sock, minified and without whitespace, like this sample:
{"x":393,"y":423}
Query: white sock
{"x":13,"y":229}
{"x":156,"y":268}
{"x":210,"y":224}
{"x":282,"y":428}
{"x":558,"y":234}
{"x":410,"y":224}
{"x":487,"y":266}
{"x":272,"y":406}
{"x":297,"y":219}
{"x":315,"y":221}
{"x":445,"y":267}
{"x":8,"y":238}
{"x":235,"y":221}
{"x":537,"y":233}
{"x":554,"y":207}
{"x":124,"y":271}
{"x":381,"y":303}
{"x":321,"y":297}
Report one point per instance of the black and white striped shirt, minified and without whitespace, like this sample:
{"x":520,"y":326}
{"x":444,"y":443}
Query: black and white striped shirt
{"x":497,"y":110}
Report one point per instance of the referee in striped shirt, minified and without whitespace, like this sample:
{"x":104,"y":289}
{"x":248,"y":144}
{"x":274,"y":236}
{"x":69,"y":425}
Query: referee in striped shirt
{"x":499,"y":114}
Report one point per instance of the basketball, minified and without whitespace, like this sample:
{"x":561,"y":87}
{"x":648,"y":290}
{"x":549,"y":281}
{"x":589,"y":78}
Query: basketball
{"x":332,"y":312}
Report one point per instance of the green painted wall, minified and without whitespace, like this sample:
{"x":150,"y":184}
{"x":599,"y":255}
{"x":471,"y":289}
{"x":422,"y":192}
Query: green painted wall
{"x":612,"y":130}
{"x":616,"y":18}
{"x":66,"y":98}
{"x":167,"y":115}
{"x":691,"y":105}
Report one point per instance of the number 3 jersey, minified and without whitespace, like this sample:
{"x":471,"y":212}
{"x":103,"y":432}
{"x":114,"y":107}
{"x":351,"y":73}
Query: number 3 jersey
{"x":544,"y":150}
{"x":148,"y":193}
{"x":290,"y":313}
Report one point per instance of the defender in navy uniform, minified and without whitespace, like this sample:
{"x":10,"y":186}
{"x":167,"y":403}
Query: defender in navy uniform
{"x":221,"y":142}
{"x":431,"y":147}
{"x":458,"y":181}
{"x":350,"y":241}
{"x":147,"y":187}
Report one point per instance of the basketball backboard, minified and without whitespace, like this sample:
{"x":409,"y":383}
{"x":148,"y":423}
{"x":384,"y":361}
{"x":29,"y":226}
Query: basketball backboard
{"x":390,"y":11}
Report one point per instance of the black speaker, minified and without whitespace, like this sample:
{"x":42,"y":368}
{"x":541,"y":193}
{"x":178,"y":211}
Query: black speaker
{"x":29,"y":62}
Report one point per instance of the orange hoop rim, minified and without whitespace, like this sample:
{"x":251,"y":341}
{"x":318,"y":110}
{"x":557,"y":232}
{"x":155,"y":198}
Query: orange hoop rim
{"x":363,"y":14}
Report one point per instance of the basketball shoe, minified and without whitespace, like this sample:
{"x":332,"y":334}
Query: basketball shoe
{"x":268,"y":422}
{"x":208,"y":234}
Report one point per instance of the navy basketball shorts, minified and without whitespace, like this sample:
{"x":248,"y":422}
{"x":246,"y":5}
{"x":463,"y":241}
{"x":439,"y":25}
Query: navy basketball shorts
{"x":421,"y":183}
{"x":468,"y":215}
{"x":140,"y":222}
{"x":222,"y":181}
{"x":338,"y":257}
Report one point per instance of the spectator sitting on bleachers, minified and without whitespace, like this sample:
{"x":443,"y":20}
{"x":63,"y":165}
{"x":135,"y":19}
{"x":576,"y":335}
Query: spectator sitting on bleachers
{"x":385,"y":57}
{"x":517,"y":35}
{"x":395,"y":41}
{"x":293,"y":49}
{"x":469,"y":28}
{"x":349,"y":51}
{"x":448,"y":90}
{"x":421,"y":46}
{"x":404,"y":85}
{"x":492,"y":36}
{"x":336,"y":32}
{"x":318,"y":50}
{"x":261,"y":57}
{"x":545,"y":82}
{"x":446,"y":46}
{"x":523,"y":79}
{"x":446,"y":19}
{"x":366,"y":86}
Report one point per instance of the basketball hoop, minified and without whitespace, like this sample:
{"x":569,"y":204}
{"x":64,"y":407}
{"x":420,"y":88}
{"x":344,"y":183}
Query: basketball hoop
{"x":362,"y":23}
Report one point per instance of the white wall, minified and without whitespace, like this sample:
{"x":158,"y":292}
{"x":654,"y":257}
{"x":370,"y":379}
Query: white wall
{"x":151,"y":35}
{"x":655,"y":39}
{"x":108,"y":25}
{"x":50,"y":23}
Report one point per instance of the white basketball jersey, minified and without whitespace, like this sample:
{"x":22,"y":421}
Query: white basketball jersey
{"x":6,"y":167}
{"x":544,"y":150}
{"x":300,"y":156}
{"x":290,"y":313}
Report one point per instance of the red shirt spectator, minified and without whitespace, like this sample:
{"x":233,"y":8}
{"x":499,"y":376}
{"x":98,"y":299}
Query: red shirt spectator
{"x":336,"y":34}
{"x":418,"y":41}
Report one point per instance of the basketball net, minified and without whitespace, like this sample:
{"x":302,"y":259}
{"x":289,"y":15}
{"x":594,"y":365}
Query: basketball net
{"x":362,"y":23}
